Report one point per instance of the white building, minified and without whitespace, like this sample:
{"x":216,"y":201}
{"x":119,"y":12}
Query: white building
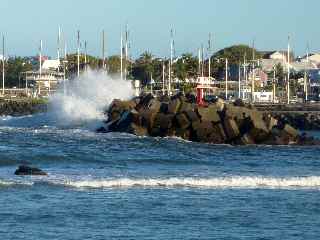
{"x":314,"y":57}
{"x":47,"y":79}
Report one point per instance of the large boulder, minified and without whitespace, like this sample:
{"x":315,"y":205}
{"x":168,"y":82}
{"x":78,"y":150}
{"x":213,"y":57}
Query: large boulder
{"x":185,"y":106}
{"x":192,"y":116}
{"x":231,"y":128}
{"x":182,"y":121}
{"x":147,"y":118}
{"x":24,"y":170}
{"x":174,"y":106}
{"x":154,"y":105}
{"x":209,"y":114}
{"x":118,"y":107}
{"x":202,"y":130}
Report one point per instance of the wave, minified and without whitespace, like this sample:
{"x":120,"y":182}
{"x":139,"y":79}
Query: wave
{"x":312,"y":182}
{"x":5,"y":183}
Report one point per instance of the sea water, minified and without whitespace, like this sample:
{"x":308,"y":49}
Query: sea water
{"x":119,"y":186}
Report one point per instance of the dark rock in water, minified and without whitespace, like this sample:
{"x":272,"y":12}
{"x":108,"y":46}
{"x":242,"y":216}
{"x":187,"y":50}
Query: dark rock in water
{"x":217,"y":123}
{"x":27,"y":170}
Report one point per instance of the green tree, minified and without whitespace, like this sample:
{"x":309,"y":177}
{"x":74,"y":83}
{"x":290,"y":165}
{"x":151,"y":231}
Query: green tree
{"x":234,"y":54}
{"x":13,"y":69}
{"x":143,"y":68}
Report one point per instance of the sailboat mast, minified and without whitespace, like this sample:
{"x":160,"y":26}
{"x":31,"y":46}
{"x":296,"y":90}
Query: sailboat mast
{"x":85,"y":54}
{"x":253,"y":77}
{"x":305,"y":76}
{"x":288,"y":70}
{"x":226,"y":79}
{"x":126,"y":52}
{"x":239,"y":83}
{"x":78,"y":53}
{"x":121,"y":57}
{"x":103,"y":51}
{"x":209,"y":55}
{"x":163,"y":77}
{"x":199,"y":62}
{"x":59,"y":42}
{"x":202,"y":60}
{"x":3,"y":62}
{"x":171,"y":60}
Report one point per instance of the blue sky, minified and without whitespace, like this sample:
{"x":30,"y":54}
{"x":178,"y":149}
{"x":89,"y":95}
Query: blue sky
{"x":24,"y":23}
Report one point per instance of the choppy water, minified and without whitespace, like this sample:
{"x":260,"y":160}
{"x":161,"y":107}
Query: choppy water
{"x":118,"y":186}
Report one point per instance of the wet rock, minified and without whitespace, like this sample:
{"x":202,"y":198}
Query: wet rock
{"x":182,"y":121}
{"x":173,"y":106}
{"x":185,"y":106}
{"x":154,"y":105}
{"x":27,"y":170}
{"x":183,"y":133}
{"x":209,"y":114}
{"x":148,"y":117}
{"x":231,"y":128}
{"x":192,"y":116}
{"x":216,"y":122}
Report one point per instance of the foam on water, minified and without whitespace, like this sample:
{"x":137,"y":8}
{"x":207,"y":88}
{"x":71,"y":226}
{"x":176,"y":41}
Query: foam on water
{"x":312,"y":182}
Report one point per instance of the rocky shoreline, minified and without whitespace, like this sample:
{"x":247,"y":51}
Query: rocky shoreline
{"x":217,"y":123}
{"x":21,"y":107}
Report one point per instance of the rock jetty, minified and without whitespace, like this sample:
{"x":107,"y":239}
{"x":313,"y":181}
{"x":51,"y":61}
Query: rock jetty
{"x":21,"y":107}
{"x":217,"y":122}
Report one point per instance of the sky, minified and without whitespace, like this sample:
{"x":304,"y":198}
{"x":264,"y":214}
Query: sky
{"x":269,"y":23}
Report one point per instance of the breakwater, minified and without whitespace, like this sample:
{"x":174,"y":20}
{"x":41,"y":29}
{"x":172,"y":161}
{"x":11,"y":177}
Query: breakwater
{"x":20,"y":107}
{"x":218,"y":122}
{"x":301,"y":116}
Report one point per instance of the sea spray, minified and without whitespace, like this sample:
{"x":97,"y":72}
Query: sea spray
{"x":82,"y":100}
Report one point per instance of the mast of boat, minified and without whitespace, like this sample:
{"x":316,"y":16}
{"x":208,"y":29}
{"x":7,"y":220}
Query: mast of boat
{"x":170,"y":64}
{"x":226,"y":79}
{"x":103,"y":51}
{"x":199,"y":62}
{"x":288,"y":70}
{"x":59,"y":42}
{"x":239,"y":81}
{"x":85,"y":54}
{"x":121,"y":57}
{"x":253,"y":77}
{"x":245,"y":73}
{"x":209,"y":55}
{"x":64,"y":67}
{"x":305,"y":75}
{"x":40,"y":64}
{"x":163,"y":77}
{"x":126,"y":52}
{"x":3,"y":62}
{"x":202,"y":60}
{"x":274,"y":85}
{"x":78,"y":52}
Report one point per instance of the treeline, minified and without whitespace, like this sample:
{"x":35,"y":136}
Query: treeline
{"x":146,"y":66}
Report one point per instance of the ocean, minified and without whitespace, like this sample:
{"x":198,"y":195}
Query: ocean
{"x":119,"y":186}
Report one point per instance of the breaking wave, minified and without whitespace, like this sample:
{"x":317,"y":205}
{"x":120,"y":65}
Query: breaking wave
{"x":312,"y":182}
{"x":84,"y":99}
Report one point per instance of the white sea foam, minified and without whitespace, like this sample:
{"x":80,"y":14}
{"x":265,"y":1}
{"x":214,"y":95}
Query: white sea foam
{"x":5,"y":183}
{"x":86,"y":97}
{"x":312,"y":182}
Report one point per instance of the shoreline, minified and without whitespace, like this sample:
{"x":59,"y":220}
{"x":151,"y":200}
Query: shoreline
{"x":22,"y":106}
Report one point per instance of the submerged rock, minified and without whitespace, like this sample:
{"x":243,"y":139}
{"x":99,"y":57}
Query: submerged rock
{"x":217,"y":122}
{"x":24,"y":170}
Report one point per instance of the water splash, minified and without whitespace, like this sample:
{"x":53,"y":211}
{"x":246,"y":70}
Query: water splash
{"x":84,"y":99}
